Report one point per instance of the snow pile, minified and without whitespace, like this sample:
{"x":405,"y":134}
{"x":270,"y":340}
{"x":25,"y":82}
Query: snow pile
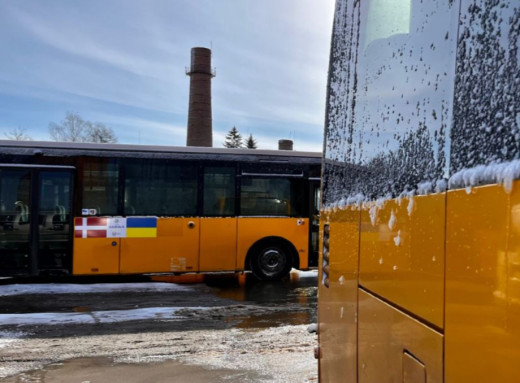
{"x":67,"y":288}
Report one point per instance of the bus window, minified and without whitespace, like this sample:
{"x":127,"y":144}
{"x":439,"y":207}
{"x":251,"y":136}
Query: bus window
{"x":219,"y":191}
{"x":160,"y":188}
{"x":399,"y":129}
{"x":14,"y":219}
{"x":271,"y":196}
{"x":100,"y":186}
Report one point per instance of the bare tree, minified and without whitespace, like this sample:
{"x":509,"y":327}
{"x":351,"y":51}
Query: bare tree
{"x":18,"y":134}
{"x":97,"y":132}
{"x":71,"y":129}
{"x":74,"y":129}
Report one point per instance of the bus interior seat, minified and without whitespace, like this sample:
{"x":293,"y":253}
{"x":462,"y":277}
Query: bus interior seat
{"x":60,"y":214}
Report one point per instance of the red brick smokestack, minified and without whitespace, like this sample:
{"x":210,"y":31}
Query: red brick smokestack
{"x":200,"y":131}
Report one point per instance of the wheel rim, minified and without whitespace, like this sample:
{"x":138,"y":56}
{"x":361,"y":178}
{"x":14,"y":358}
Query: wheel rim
{"x":272,"y":261}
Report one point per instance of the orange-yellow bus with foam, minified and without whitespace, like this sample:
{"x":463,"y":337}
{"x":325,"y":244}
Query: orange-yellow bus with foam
{"x":419,"y":264}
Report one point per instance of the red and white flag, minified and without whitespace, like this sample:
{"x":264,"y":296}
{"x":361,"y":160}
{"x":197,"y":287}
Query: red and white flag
{"x":92,"y":227}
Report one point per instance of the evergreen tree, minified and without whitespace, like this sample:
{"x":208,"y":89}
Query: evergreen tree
{"x":233,"y":139}
{"x":251,"y":142}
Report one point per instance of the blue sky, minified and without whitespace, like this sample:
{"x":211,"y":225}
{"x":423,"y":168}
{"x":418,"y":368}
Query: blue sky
{"x":122,"y":63}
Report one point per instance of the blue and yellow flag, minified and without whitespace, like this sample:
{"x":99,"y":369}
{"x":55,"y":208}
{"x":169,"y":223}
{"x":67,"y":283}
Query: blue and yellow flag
{"x":141,"y":227}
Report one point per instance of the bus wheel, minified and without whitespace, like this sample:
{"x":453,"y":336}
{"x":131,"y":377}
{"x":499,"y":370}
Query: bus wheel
{"x":271,"y":262}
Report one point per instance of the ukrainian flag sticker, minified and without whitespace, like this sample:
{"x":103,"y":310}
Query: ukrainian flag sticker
{"x":141,"y":227}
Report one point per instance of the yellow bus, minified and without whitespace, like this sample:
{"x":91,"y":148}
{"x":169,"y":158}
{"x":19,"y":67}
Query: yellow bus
{"x":98,"y":209}
{"x":420,"y":225}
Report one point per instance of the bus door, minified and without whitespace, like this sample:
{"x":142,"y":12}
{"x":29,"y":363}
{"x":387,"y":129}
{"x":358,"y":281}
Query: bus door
{"x":314,"y":219}
{"x":218,"y":227}
{"x":35,"y":220}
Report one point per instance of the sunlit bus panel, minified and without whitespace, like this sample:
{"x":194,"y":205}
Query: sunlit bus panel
{"x":419,"y":265}
{"x":88,"y":209}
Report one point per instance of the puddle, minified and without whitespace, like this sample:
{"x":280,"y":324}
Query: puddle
{"x":103,"y":370}
{"x":296,"y":299}
{"x":259,"y":322}
{"x":303,"y":291}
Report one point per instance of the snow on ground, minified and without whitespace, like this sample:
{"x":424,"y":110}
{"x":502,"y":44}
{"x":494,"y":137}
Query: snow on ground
{"x":69,"y":288}
{"x":305,"y":274}
{"x":109,"y":316}
{"x":280,"y":354}
{"x":8,"y":337}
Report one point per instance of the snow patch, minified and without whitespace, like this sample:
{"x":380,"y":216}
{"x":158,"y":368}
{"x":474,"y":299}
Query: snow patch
{"x":8,"y":337}
{"x":397,"y":239}
{"x":373,"y":214}
{"x":499,"y":173}
{"x":441,"y":186}
{"x":306,"y":274}
{"x":391,"y":221}
{"x":425,"y":188}
{"x":342,"y":204}
{"x":409,"y":208}
{"x":67,"y":288}
{"x":110,"y":316}
{"x":374,"y":207}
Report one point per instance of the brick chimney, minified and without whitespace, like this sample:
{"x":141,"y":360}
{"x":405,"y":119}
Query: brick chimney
{"x":200,"y":130}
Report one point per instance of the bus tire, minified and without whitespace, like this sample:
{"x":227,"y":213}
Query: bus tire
{"x":271,"y":261}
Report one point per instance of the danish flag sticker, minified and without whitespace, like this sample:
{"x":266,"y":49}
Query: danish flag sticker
{"x":90,"y":227}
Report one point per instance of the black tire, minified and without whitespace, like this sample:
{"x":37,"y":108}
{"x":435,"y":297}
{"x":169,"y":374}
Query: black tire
{"x":271,"y":262}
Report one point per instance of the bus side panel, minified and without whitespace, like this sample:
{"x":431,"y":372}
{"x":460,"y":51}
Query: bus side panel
{"x":402,"y":254}
{"x":96,"y":256}
{"x":175,"y":249}
{"x":483,"y":285}
{"x":387,"y":337}
{"x":337,"y":311}
{"x":295,"y":230}
{"x":218,"y":246}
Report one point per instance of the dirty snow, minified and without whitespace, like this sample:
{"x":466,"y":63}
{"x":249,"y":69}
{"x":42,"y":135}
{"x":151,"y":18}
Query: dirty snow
{"x":69,"y":288}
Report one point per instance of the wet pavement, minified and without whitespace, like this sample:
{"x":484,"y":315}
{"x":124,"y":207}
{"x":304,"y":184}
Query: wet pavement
{"x":238,"y":329}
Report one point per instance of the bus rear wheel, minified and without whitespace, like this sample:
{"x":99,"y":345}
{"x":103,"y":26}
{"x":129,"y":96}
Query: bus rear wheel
{"x":271,"y":262}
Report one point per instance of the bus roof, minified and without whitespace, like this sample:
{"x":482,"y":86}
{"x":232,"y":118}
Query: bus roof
{"x":145,"y":151}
